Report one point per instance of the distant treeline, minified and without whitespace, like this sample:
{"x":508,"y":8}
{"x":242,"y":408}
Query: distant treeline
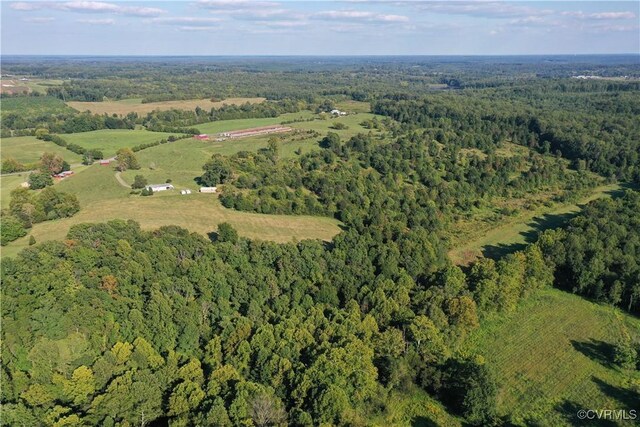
{"x":598,"y":131}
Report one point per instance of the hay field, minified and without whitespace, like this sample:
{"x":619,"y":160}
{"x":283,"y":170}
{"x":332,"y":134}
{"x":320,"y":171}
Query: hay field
{"x":552,"y":356}
{"x":125,"y":106}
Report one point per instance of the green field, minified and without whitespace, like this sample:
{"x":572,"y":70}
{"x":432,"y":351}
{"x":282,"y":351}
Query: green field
{"x":552,"y":357}
{"x":102,"y":198}
{"x":9,"y":183}
{"x":514,"y":233}
{"x":28,"y":149}
{"x":29,"y":105}
{"x":111,"y":140}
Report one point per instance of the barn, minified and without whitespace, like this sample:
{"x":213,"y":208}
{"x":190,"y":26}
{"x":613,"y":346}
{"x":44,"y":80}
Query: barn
{"x":159,"y":187}
{"x":201,"y":137}
{"x":208,"y":189}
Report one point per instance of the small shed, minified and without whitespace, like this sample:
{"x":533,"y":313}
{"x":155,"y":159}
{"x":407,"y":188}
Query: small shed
{"x":208,"y":189}
{"x":104,"y":162}
{"x":183,"y":192}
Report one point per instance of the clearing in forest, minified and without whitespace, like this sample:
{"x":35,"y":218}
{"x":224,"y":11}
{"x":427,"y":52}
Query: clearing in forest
{"x":125,"y":106}
{"x":553,"y":356}
{"x":514,"y":233}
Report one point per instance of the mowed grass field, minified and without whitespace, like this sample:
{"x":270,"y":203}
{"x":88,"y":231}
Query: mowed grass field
{"x":135,"y":105}
{"x":552,"y":357}
{"x":102,"y":198}
{"x":516,"y":231}
{"x":33,"y":105}
{"x":182,"y":161}
{"x":29,"y":149}
{"x":111,"y":140}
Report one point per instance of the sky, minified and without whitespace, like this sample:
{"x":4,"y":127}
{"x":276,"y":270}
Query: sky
{"x":347,"y":27}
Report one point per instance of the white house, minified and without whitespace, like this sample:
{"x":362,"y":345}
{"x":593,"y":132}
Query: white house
{"x":208,"y":189}
{"x":159,"y":187}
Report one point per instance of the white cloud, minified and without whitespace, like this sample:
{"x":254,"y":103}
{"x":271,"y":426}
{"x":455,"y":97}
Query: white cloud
{"x":357,"y":15}
{"x":24,"y":6}
{"x":107,"y":21}
{"x":235,"y":4}
{"x":600,"y":15}
{"x":484,"y":9}
{"x":39,"y":20}
{"x":89,"y":7}
{"x":187,"y":21}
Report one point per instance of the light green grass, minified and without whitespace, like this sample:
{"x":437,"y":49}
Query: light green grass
{"x":29,"y":149}
{"x":513,"y":232}
{"x":102,"y":198}
{"x":28,"y":105}
{"x":550,"y":358}
{"x":111,"y":140}
{"x":413,"y":408}
{"x":8,"y":184}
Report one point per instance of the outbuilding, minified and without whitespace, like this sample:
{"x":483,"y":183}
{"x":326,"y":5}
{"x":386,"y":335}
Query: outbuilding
{"x":159,"y":187}
{"x":208,"y":189}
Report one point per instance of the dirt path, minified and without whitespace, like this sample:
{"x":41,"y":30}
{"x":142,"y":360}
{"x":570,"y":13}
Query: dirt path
{"x":122,"y":181}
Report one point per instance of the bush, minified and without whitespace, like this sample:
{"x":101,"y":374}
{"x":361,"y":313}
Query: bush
{"x":38,"y":180}
{"x":11,"y":228}
{"x":139,"y":182}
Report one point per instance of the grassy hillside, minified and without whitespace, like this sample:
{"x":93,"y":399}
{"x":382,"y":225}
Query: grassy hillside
{"x":125,"y":106}
{"x":513,"y":233}
{"x":28,"y":105}
{"x":29,"y":149}
{"x":102,"y":199}
{"x":552,"y":358}
{"x":111,"y":140}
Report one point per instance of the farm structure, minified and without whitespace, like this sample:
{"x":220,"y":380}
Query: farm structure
{"x":63,"y":175}
{"x":201,"y":137}
{"x":159,"y":187}
{"x":208,"y":189}
{"x":104,"y":162}
{"x":183,"y":192}
{"x":255,"y":131}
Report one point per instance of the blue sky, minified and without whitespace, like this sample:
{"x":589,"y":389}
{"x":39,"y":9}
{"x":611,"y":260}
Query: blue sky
{"x":349,"y":27}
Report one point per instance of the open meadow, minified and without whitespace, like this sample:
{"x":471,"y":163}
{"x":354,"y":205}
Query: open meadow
{"x":514,"y":233}
{"x":135,"y":105}
{"x":111,"y":140}
{"x":552,"y":356}
{"x":29,"y":149}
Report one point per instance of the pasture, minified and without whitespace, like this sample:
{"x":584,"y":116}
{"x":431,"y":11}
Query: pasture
{"x":29,"y":149}
{"x":135,"y":105}
{"x":102,"y":198}
{"x":111,"y":140}
{"x":552,"y":357}
{"x":34,"y":105}
{"x":514,"y":233}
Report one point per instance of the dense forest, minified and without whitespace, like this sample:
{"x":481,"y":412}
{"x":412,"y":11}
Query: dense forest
{"x":119,"y":326}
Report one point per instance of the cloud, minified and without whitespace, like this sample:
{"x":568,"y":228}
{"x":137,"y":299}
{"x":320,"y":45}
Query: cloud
{"x":107,"y":21}
{"x":89,"y":7}
{"x":24,"y":6}
{"x":187,"y":21}
{"x":600,"y":15}
{"x":235,"y":4}
{"x":357,"y":15}
{"x":39,"y":20}
{"x":483,"y":9}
